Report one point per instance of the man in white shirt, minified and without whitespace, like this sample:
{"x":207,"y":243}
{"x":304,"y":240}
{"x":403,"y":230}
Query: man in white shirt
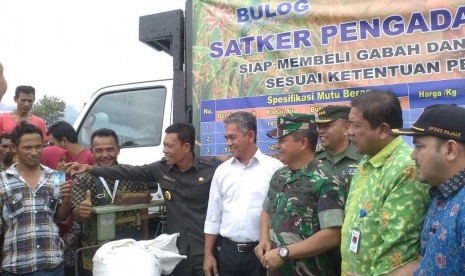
{"x":237,"y":192}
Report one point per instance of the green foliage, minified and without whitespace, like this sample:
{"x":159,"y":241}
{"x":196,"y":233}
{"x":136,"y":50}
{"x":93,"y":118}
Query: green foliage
{"x":50,"y":108}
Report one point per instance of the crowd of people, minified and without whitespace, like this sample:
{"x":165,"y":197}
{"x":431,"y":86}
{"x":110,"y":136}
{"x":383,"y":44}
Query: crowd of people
{"x":346,"y":194}
{"x":359,"y":206}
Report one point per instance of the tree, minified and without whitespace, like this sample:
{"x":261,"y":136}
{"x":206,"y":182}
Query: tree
{"x":50,"y":108}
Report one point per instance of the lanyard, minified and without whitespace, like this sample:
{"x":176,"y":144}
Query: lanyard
{"x":115,"y":188}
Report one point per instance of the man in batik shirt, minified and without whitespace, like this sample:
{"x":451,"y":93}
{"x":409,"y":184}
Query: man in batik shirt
{"x":439,"y":155}
{"x":94,"y":191}
{"x":386,"y":204}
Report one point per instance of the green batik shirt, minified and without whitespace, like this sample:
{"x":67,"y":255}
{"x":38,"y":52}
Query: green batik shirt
{"x":301,"y":203}
{"x":344,"y":164}
{"x":386,"y":188}
{"x":85,"y":182}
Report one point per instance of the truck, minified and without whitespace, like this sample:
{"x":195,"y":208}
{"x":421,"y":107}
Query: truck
{"x":275,"y":58}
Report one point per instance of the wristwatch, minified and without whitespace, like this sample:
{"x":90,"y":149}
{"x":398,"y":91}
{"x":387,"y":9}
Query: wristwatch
{"x":283,"y":252}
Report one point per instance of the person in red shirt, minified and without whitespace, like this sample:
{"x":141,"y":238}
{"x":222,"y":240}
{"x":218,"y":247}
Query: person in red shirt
{"x":63,"y":135}
{"x":24,"y":99}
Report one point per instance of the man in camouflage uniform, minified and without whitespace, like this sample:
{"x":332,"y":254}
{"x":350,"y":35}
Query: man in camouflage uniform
{"x":304,"y":209}
{"x":338,"y":153}
{"x":91,"y":191}
{"x":333,"y":133}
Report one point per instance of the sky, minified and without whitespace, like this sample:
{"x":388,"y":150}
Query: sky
{"x":70,"y":49}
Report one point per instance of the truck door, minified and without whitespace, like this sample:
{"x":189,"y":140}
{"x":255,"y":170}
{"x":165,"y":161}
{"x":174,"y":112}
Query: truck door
{"x":138,"y":113}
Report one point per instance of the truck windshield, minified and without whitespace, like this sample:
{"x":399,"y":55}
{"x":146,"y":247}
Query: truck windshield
{"x":135,"y":115}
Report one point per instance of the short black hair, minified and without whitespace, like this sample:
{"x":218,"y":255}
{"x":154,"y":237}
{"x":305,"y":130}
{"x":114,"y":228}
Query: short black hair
{"x":104,"y":132}
{"x":62,"y":130}
{"x":26,"y":89}
{"x":378,"y":107}
{"x":22,"y":129}
{"x":5,"y":135}
{"x":311,"y":134}
{"x":185,"y":132}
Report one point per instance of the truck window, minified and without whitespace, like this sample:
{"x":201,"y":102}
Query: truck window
{"x":135,"y":115}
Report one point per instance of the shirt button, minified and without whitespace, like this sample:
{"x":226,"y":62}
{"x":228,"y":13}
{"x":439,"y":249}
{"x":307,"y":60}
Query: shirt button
{"x":37,"y":228}
{"x":38,"y":246}
{"x":35,"y":212}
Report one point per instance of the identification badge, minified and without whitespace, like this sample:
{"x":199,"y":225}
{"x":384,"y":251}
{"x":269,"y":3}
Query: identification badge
{"x":354,"y":241}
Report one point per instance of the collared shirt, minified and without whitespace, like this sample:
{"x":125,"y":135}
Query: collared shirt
{"x":236,"y":197}
{"x":386,"y":188}
{"x":85,"y":182}
{"x":31,"y":236}
{"x":301,"y":203}
{"x":344,"y":164}
{"x":443,"y":237}
{"x":185,"y":193}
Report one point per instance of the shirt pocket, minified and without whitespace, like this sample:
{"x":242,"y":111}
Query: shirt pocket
{"x":201,"y":191}
{"x":300,"y":211}
{"x":166,"y":184}
{"x":15,"y":204}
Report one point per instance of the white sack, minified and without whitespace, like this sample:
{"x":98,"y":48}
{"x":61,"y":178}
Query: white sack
{"x":141,"y":258}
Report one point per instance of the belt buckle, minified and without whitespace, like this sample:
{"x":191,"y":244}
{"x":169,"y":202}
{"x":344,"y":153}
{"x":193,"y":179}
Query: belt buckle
{"x":240,"y":247}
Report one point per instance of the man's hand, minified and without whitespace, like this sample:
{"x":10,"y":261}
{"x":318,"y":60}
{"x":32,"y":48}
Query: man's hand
{"x":66,"y":191}
{"x":65,"y":206}
{"x":261,"y":248}
{"x":271,"y":260}
{"x":85,"y":206}
{"x":210,"y":267}
{"x":73,"y":168}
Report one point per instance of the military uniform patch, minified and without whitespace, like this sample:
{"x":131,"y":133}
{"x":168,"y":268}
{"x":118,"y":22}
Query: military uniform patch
{"x":169,"y":178}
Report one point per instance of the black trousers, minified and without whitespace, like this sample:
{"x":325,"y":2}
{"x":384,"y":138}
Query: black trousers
{"x":192,"y":266}
{"x":231,"y":262}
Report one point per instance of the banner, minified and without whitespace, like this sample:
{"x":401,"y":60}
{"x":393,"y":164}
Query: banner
{"x":273,"y":58}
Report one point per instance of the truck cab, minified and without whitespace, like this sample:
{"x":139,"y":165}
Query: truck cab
{"x":138,"y":112}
